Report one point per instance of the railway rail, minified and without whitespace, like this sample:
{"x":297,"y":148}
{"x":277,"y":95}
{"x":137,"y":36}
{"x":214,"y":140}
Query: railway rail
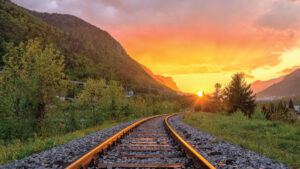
{"x":149,"y":143}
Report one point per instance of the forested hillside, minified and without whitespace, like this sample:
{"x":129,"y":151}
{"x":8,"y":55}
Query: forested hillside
{"x":89,"y":51}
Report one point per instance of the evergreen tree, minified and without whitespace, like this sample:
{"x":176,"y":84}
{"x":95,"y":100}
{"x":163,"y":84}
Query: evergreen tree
{"x":291,"y":105}
{"x":217,"y":98}
{"x":238,"y":95}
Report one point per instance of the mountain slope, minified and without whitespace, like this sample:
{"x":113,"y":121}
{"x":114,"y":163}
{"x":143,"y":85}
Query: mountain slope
{"x":89,"y":51}
{"x":259,"y":86}
{"x":289,"y":86}
{"x":167,"y":81}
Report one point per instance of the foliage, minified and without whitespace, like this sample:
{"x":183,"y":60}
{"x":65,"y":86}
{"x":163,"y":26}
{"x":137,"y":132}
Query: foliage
{"x":278,"y":111}
{"x":101,"y":98}
{"x":291,"y":105}
{"x":30,"y":81}
{"x":239,"y":96}
{"x":274,"y":139}
{"x":218,"y":97}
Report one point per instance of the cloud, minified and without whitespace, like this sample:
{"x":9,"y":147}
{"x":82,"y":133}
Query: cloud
{"x":249,"y":76}
{"x":190,"y":69}
{"x":282,"y":15}
{"x":289,"y":70}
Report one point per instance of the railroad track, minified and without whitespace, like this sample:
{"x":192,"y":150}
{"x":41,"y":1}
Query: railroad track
{"x":149,"y":143}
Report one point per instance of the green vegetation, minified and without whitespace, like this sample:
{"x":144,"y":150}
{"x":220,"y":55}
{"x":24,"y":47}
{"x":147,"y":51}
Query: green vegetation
{"x":17,"y":149}
{"x":279,"y":111}
{"x":239,"y":96}
{"x":29,"y":82}
{"x":274,"y":139}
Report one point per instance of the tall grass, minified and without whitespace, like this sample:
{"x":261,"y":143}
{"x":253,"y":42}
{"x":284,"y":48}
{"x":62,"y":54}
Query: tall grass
{"x":274,"y":139}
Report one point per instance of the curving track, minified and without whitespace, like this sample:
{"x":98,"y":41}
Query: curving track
{"x":149,"y":143}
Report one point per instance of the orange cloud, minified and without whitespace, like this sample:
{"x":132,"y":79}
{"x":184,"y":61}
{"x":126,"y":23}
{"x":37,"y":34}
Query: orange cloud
{"x":249,"y":76}
{"x":289,"y":70}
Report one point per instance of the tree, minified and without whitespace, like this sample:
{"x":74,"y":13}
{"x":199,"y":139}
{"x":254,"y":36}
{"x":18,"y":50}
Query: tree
{"x":92,"y":98}
{"x":217,"y":98}
{"x":291,"y":105}
{"x":31,"y":78}
{"x":116,"y":94}
{"x":238,"y":95}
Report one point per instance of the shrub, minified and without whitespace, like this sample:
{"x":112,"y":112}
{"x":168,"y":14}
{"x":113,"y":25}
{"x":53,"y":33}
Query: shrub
{"x":277,"y":111}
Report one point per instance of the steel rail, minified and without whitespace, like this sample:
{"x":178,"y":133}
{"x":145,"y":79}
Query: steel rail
{"x":88,"y":158}
{"x":199,"y":161}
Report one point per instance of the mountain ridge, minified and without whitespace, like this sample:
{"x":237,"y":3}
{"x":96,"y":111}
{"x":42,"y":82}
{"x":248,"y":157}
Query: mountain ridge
{"x":259,"y":85}
{"x":167,"y":81}
{"x":289,"y":86}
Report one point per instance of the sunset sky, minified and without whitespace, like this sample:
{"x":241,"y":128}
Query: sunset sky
{"x":197,"y":42}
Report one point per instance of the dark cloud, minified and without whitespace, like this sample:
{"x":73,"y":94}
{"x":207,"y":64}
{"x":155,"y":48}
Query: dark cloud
{"x":110,"y":13}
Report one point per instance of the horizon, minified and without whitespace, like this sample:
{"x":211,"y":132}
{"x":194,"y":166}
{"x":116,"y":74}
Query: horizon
{"x":197,"y":43}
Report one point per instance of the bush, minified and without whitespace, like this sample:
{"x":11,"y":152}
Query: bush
{"x":277,"y":111}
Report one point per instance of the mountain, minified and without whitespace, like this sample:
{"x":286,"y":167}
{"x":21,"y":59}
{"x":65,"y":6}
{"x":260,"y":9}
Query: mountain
{"x":167,"y":81}
{"x":259,"y":86}
{"x":89,"y":51}
{"x":289,"y":86}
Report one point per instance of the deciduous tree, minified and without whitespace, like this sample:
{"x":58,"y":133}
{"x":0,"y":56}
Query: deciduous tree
{"x":31,"y":78}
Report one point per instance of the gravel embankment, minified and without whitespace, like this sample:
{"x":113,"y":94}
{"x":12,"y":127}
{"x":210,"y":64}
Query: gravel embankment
{"x":220,"y":153}
{"x":63,"y":155}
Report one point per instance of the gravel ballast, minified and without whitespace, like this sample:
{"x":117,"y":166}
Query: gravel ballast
{"x":65,"y":154}
{"x":219,"y":153}
{"x":149,"y":139}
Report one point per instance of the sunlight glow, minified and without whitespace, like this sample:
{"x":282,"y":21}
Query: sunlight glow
{"x":200,"y":93}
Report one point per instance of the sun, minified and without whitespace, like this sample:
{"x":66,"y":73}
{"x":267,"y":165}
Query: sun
{"x":200,"y":93}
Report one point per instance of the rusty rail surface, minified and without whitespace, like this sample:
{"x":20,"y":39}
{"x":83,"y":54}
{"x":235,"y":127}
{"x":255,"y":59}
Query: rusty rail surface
{"x":199,"y":161}
{"x":85,"y":160}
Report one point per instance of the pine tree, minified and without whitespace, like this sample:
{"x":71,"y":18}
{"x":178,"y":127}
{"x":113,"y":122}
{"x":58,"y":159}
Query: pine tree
{"x":217,"y":97}
{"x":239,"y":96}
{"x":291,"y":105}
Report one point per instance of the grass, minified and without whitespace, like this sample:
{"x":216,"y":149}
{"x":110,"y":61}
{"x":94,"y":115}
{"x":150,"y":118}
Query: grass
{"x":18,"y":150}
{"x":277,"y":140}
